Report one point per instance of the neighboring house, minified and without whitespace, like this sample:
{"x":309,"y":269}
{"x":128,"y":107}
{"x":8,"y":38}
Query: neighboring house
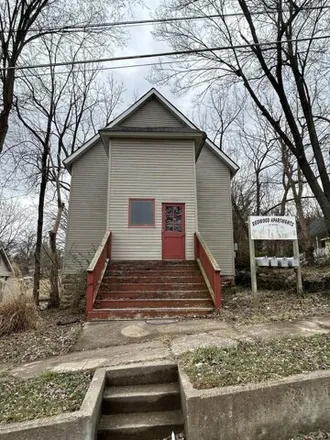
{"x":318,"y":232}
{"x":152,"y":179}
{"x":6,"y":269}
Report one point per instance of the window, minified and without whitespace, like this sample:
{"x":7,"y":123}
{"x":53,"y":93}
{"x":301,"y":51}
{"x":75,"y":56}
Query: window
{"x":141,"y":213}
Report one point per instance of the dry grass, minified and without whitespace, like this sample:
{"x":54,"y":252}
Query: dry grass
{"x":28,"y":334}
{"x":241,"y":307}
{"x":18,"y":313}
{"x":258,"y":361}
{"x":43,"y":396}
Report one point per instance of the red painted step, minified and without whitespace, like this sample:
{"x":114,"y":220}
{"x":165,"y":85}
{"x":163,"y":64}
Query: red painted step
{"x":156,"y":272}
{"x":156,"y":287}
{"x":151,"y":294}
{"x":152,"y":289}
{"x":151,"y":278}
{"x":109,"y":303}
{"x":156,"y":313}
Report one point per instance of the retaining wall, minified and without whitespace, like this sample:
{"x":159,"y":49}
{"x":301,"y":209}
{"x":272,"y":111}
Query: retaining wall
{"x":78,"y":425}
{"x":270,"y":411}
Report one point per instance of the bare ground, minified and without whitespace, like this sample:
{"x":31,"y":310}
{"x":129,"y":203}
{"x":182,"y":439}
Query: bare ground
{"x":56,"y":334}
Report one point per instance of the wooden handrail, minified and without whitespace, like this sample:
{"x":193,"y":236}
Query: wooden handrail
{"x":97,"y":254}
{"x":209,"y":267}
{"x":207,"y":250}
{"x":96,"y":270}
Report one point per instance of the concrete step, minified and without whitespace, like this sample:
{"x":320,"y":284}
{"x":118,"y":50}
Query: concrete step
{"x":143,"y":374}
{"x":140,"y":426}
{"x":148,"y":398}
{"x":185,"y":294}
{"x":111,"y":302}
{"x":149,"y":313}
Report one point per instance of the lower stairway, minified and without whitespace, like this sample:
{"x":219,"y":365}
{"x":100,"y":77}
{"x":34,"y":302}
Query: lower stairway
{"x":152,"y":289}
{"x":141,"y":403}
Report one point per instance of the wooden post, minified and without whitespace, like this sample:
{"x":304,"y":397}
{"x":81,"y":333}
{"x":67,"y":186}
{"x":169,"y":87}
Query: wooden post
{"x":109,"y":246}
{"x":196,"y":246}
{"x":252,"y":262}
{"x":298,"y":269}
{"x":217,"y":289}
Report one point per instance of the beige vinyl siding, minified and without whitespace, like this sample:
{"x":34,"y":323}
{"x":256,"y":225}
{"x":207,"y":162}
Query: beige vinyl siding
{"x":152,"y":114}
{"x":159,"y":169}
{"x":87,"y":208}
{"x":215,"y":210}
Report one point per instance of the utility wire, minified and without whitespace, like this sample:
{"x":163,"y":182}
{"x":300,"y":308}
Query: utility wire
{"x":101,"y":69}
{"x":83,"y":27}
{"x":163,"y":54}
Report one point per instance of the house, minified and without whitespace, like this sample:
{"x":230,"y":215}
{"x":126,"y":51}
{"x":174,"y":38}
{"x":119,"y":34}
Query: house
{"x":150,"y":215}
{"x":6,"y":271}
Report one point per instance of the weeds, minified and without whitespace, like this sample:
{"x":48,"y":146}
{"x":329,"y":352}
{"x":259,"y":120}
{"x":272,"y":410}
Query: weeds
{"x":253,"y":362}
{"x":17,"y":313}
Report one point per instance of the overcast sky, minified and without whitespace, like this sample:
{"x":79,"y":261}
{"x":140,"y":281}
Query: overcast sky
{"x":142,"y":41}
{"x":134,"y":79}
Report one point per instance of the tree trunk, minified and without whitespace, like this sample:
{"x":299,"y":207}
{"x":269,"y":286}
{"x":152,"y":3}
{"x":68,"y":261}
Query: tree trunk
{"x":41,"y":205}
{"x":258,"y":192}
{"x":3,"y":129}
{"x":54,"y":298}
{"x":7,"y":97}
{"x":316,"y":189}
{"x":240,"y":217}
{"x":308,"y":244}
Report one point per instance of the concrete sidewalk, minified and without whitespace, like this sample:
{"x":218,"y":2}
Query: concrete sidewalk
{"x":122,"y":342}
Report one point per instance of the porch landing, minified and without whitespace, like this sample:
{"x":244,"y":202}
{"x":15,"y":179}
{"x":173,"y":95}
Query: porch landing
{"x":151,"y":289}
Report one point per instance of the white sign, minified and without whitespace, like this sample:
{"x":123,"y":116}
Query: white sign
{"x":273,"y":228}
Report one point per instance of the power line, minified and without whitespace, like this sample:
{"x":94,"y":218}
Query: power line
{"x":163,"y":54}
{"x":128,"y":23}
{"x":101,"y":69}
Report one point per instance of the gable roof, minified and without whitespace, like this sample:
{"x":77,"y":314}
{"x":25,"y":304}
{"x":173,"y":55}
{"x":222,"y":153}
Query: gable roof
{"x":152,"y":93}
{"x":5,"y":259}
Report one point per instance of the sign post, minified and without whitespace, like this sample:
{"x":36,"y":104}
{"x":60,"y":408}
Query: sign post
{"x":253,"y":269}
{"x":298,"y":268}
{"x":273,"y":228}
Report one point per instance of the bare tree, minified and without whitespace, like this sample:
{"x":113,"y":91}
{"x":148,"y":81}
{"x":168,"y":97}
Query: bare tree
{"x":274,"y":50}
{"x":14,"y":220}
{"x":218,"y":114}
{"x":260,"y":159}
{"x":16,"y":19}
{"x":293,"y":180}
{"x":58,"y":112}
{"x":24,"y":22}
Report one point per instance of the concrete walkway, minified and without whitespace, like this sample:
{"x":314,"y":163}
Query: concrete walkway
{"x":121,"y":342}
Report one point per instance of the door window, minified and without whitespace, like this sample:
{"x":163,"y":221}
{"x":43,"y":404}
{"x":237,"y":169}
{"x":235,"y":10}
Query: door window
{"x":173,"y":218}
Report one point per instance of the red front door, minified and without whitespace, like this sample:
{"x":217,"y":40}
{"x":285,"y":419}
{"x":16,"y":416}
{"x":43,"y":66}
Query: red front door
{"x":173,"y":232}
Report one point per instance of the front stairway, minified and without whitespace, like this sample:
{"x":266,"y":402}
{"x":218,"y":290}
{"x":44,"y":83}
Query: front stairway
{"x":141,"y":403}
{"x":152,"y":289}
